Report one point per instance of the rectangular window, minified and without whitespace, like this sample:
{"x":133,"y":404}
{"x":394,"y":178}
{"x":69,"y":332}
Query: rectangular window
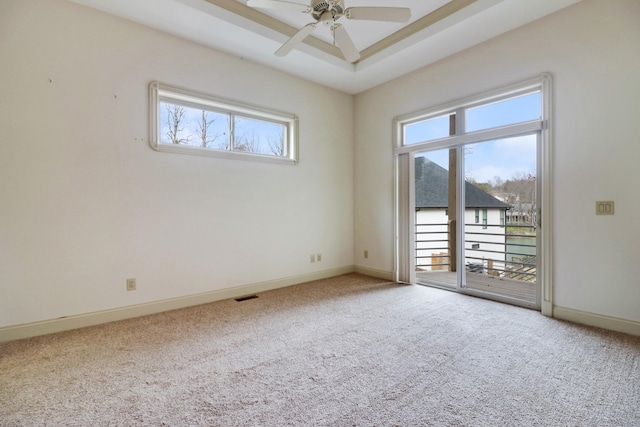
{"x":192,"y":123}
{"x":484,"y":218}
{"x":518,"y":109}
{"x":477,"y":216}
{"x":501,"y":218}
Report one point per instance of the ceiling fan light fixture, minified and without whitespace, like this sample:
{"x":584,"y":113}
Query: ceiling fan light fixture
{"x":327,"y":19}
{"x":327,"y":12}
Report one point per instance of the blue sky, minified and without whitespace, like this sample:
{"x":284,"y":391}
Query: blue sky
{"x":484,"y":161}
{"x":504,"y":158}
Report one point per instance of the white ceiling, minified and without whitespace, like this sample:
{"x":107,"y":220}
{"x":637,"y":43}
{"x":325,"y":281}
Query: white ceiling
{"x":437,"y":29}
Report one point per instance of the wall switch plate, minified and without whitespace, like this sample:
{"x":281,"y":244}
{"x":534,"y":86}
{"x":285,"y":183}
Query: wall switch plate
{"x":131,"y":284}
{"x":312,"y":258}
{"x":319,"y":257}
{"x":366,"y":254}
{"x":604,"y":208}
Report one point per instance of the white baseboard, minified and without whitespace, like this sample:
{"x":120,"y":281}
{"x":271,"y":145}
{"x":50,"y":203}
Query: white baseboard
{"x":44,"y":327}
{"x":597,"y":320}
{"x":381,"y":274}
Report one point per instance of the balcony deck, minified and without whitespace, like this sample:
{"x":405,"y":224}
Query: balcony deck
{"x":522,"y":291}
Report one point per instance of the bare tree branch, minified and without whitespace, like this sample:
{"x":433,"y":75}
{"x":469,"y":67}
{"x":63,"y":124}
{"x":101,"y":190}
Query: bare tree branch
{"x":203,"y":127}
{"x":175,"y":114}
{"x":276,"y":144}
{"x":247,"y":143}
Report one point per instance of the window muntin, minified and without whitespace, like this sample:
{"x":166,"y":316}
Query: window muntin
{"x":192,"y":123}
{"x":518,"y":109}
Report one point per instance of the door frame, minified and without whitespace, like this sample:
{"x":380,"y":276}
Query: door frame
{"x":404,"y":260}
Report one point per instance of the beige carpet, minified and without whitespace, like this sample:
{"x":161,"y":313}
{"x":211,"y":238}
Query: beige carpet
{"x":348,"y":351}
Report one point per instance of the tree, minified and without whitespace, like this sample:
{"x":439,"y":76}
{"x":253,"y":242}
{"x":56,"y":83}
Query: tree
{"x":175,"y":116}
{"x":484,"y":186}
{"x":247,"y":143}
{"x":276,"y":144}
{"x":520,"y":193}
{"x":497,"y":183}
{"x":203,"y":128}
{"x":245,"y":139}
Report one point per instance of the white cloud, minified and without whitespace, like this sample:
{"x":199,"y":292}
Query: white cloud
{"x":503,"y":158}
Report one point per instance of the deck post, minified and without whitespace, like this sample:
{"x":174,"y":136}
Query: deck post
{"x":452,"y":208}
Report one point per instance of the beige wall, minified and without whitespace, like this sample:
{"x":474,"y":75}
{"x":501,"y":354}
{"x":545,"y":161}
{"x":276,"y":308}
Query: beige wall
{"x":86,"y":203}
{"x":592,"y":50}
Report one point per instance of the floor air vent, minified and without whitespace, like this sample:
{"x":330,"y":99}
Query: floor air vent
{"x":248,"y":297}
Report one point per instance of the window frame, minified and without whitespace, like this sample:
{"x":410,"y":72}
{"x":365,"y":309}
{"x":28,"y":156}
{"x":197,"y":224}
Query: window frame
{"x":458,"y":109}
{"x":404,"y":264}
{"x":161,"y":93}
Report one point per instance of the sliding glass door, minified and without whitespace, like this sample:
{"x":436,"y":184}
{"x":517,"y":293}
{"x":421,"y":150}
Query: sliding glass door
{"x":500,"y":232}
{"x":496,"y":221}
{"x":435,"y":231}
{"x":472,"y":190}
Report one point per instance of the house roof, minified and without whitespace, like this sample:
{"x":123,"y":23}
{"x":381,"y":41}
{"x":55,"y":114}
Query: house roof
{"x":432,"y":189}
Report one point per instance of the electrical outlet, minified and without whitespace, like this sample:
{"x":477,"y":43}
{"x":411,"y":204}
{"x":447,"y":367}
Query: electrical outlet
{"x":604,"y":208}
{"x":131,"y":284}
{"x":366,"y":254}
{"x":312,"y":258}
{"x":319,"y":257}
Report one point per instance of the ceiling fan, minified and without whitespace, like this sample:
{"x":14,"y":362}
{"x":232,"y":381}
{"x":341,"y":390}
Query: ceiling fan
{"x":327,"y":12}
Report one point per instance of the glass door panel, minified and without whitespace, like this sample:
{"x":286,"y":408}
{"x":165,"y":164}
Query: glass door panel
{"x":435,"y":251}
{"x":500,"y":242}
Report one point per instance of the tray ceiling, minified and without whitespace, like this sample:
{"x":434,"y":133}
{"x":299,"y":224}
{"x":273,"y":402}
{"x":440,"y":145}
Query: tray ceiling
{"x":437,"y":29}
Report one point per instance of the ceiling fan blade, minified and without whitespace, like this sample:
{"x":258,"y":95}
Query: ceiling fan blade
{"x":278,"y":4}
{"x":345,"y":43}
{"x":387,"y":14}
{"x":295,"y":40}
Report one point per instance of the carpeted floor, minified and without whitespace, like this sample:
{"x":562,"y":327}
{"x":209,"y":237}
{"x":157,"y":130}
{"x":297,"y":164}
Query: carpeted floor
{"x":347,"y":351}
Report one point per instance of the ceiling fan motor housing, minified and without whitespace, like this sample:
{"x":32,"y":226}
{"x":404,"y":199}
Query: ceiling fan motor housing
{"x":321,"y":7}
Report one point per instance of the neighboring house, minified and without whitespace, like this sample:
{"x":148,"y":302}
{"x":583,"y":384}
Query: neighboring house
{"x":521,"y":213}
{"x":485,"y":233}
